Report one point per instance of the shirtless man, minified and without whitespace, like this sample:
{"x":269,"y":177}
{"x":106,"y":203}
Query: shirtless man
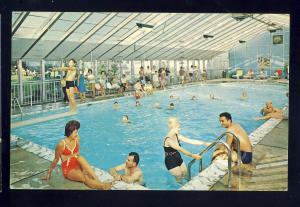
{"x":70,"y":78}
{"x":269,"y":108}
{"x":240,"y":133}
{"x":133,"y":174}
{"x":270,"y":112}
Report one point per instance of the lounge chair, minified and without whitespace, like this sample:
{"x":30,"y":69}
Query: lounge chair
{"x":277,"y":74}
{"x":239,"y":74}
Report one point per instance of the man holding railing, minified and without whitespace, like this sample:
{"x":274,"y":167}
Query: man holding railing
{"x":240,"y":133}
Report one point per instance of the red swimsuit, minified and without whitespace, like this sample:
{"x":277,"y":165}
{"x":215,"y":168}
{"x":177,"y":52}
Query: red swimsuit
{"x":71,"y":162}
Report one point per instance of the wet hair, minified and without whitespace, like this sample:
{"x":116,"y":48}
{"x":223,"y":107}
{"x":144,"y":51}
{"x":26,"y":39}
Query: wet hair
{"x":74,"y":61}
{"x":172,"y":104}
{"x":226,"y":115}
{"x":116,"y":102}
{"x":126,"y":117}
{"x":90,"y":70}
{"x":71,"y":126}
{"x":136,"y":157}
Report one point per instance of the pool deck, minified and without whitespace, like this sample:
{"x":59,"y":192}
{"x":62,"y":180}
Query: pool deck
{"x":270,"y":171}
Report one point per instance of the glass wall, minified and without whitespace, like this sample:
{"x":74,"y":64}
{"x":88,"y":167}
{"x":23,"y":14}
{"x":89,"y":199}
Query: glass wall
{"x":268,"y":52}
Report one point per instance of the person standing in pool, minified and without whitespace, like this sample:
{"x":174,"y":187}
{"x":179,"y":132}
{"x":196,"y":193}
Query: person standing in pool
{"x":245,"y":144}
{"x":172,"y":147}
{"x":132,"y":172}
{"x":74,"y":166}
{"x":70,"y":78}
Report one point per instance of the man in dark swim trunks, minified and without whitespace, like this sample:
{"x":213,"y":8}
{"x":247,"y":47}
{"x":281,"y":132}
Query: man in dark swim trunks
{"x":245,"y":144}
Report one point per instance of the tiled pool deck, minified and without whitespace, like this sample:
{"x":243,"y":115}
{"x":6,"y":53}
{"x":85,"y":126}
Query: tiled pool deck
{"x":29,"y":162}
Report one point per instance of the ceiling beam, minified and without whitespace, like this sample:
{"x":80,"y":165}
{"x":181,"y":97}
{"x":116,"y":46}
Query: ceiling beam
{"x":18,"y":22}
{"x":43,"y":31}
{"x":108,"y":17}
{"x":114,"y":30}
{"x":79,"y":22}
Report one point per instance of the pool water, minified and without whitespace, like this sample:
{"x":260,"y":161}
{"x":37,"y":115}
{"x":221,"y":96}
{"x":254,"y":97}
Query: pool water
{"x":106,"y":141}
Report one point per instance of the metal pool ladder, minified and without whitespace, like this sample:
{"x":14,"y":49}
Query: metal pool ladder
{"x":16,"y":101}
{"x":218,"y":140}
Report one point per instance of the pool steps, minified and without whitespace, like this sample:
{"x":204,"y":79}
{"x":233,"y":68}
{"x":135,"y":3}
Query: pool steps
{"x":209,"y":176}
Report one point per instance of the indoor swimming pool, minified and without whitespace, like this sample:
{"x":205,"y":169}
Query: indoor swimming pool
{"x":106,"y":141}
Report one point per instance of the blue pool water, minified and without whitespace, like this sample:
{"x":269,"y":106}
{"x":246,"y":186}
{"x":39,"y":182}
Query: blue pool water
{"x":106,"y":141}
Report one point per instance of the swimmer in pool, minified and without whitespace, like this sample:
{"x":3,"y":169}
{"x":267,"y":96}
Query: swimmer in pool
{"x":125,"y":119}
{"x":174,"y":97}
{"x":132,"y":172}
{"x":171,"y":106}
{"x":157,"y":105}
{"x":116,"y":105}
{"x":194,"y":98}
{"x":137,"y":103}
{"x":173,"y":161}
{"x":244,"y":96}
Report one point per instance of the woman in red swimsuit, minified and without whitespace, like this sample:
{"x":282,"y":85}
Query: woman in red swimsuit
{"x":74,"y":166}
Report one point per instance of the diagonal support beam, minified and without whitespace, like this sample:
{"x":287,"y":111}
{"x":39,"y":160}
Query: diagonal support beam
{"x":111,"y":33}
{"x":92,"y":32}
{"x":79,"y":22}
{"x":19,"y":21}
{"x":45,"y":29}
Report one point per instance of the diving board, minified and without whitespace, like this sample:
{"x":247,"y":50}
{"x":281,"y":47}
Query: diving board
{"x":41,"y":119}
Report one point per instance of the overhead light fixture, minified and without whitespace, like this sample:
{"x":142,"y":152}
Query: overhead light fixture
{"x":141,"y":25}
{"x":239,"y":16}
{"x":208,"y":36}
{"x":242,"y":41}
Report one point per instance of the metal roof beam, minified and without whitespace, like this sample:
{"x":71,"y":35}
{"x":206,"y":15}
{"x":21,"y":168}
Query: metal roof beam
{"x":220,"y":37}
{"x":45,"y":29}
{"x":18,"y":22}
{"x":186,"y":28}
{"x":159,"y":33}
{"x":133,"y":31}
{"x":202,"y":25}
{"x":79,"y":22}
{"x":116,"y":29}
{"x":93,"y":31}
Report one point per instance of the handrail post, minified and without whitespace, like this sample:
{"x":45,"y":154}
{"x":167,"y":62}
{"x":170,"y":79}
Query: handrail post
{"x":218,"y":140}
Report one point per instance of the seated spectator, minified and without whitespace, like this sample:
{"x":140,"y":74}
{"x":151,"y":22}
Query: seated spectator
{"x":132,"y":172}
{"x":92,"y":81}
{"x":249,"y":75}
{"x":262,"y":75}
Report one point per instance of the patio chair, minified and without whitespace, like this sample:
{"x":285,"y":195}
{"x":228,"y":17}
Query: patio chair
{"x":277,"y":74}
{"x":239,"y":74}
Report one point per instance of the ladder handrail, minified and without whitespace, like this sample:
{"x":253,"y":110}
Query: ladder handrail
{"x":15,"y":99}
{"x":212,"y":145}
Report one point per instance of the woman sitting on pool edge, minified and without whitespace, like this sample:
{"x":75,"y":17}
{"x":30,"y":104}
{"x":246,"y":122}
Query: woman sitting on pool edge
{"x":172,"y":147}
{"x":74,"y":166}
